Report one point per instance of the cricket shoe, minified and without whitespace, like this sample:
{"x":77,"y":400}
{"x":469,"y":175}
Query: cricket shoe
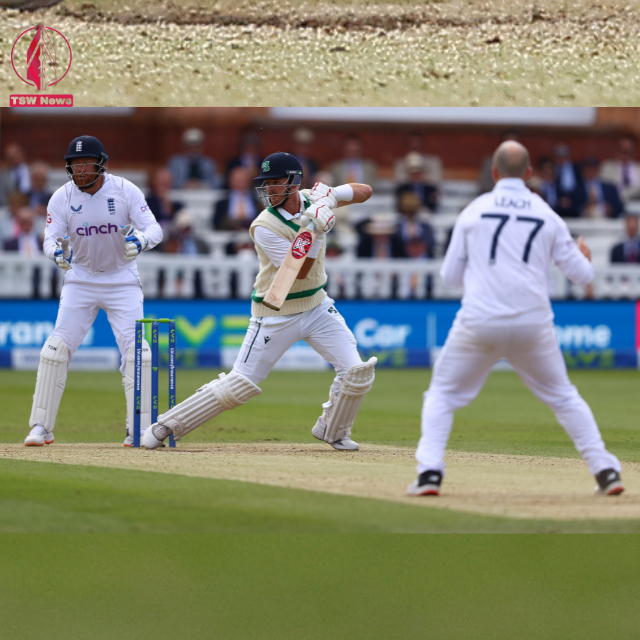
{"x":128,"y":441}
{"x":427,"y":484}
{"x":609,"y":483}
{"x":154,"y":436}
{"x":38,"y":436}
{"x":344,"y":444}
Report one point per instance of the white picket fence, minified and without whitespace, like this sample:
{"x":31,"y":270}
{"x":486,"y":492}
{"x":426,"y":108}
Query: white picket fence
{"x":175,"y":276}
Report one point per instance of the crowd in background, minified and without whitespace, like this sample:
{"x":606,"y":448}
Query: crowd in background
{"x":574,"y":188}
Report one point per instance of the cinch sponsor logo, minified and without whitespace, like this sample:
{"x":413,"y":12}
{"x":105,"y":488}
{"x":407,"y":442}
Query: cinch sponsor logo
{"x":583,"y":336}
{"x":369,"y":334}
{"x":86,"y":230}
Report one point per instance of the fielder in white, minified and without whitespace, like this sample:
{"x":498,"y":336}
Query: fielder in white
{"x":308,"y":314}
{"x":96,"y":226}
{"x":501,"y":251}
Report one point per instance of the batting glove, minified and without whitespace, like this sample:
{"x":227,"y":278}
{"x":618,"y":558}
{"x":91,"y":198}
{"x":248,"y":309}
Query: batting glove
{"x":323,"y":193}
{"x":135,"y":241}
{"x":322,"y":216}
{"x":62,"y":255}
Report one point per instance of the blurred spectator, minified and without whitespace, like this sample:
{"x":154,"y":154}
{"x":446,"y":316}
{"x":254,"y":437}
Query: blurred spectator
{"x":239,"y":208}
{"x":9,"y":227}
{"x":379,"y":237}
{"x":432,"y":165}
{"x":624,"y":171}
{"x":416,"y":235}
{"x":39,"y":195}
{"x":485,"y":181}
{"x":603,"y":199}
{"x":244,"y":246}
{"x":544,"y":183}
{"x":250,"y":157}
{"x":303,"y":139}
{"x":159,"y":200}
{"x":16,"y":176}
{"x":570,"y":187}
{"x":25,"y":239}
{"x":353,"y":168}
{"x":192,"y":169}
{"x":181,"y":237}
{"x":629,"y":250}
{"x":426,"y":193}
{"x":181,"y":240}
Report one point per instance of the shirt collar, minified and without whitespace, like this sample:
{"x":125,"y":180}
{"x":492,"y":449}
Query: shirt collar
{"x":289,"y":216}
{"x":511,"y":183}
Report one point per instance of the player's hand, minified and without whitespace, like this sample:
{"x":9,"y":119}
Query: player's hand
{"x":323,"y":193}
{"x":584,"y":249}
{"x":135,"y":241}
{"x":62,"y":255}
{"x":322,"y":216}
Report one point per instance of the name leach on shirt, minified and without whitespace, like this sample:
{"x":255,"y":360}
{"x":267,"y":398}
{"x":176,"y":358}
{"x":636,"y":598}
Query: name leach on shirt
{"x":93,"y":224}
{"x":501,"y":251}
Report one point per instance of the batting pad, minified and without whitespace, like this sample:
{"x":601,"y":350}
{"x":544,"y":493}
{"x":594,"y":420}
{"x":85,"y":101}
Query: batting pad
{"x":129,"y":382}
{"x":355,"y":385}
{"x":52,"y":376}
{"x":224,"y":393}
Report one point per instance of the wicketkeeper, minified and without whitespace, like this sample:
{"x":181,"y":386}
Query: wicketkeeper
{"x":97,"y":224}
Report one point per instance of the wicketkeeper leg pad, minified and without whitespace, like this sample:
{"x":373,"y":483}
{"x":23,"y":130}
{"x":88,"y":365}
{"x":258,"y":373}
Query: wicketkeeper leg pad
{"x":129,"y":384}
{"x":344,"y":403}
{"x":52,"y":376}
{"x":224,"y":393}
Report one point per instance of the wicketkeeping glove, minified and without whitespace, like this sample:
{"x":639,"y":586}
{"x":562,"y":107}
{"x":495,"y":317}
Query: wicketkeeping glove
{"x":135,"y":241}
{"x":322,"y":216}
{"x":62,"y":255}
{"x":324,"y":194}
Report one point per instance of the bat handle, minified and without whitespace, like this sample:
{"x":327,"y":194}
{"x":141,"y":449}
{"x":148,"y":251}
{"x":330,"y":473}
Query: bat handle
{"x":311,"y":225}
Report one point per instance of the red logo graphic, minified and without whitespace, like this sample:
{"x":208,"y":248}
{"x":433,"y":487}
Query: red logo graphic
{"x":301,"y":246}
{"x":41,"y":57}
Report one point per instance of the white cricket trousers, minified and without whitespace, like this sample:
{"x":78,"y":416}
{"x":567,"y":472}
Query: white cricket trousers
{"x":463,"y":366}
{"x":322,"y":328}
{"x":79,"y":306}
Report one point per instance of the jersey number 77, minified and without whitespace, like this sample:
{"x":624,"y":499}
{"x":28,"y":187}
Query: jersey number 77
{"x":503,"y":221}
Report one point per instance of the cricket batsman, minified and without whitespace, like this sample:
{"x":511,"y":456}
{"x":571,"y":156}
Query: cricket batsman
{"x":97,"y":224}
{"x":307,"y":313}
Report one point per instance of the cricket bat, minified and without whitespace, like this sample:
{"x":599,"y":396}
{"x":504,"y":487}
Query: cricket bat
{"x":290,"y":268}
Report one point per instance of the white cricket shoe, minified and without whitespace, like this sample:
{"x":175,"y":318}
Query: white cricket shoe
{"x":128,"y":441}
{"x":344,"y":444}
{"x":38,"y":436}
{"x":154,"y":436}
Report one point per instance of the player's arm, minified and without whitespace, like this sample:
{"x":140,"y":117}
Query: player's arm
{"x":455,"y":260}
{"x":57,"y":226}
{"x":361,"y":193}
{"x":143,"y":219}
{"x":573,"y":260}
{"x":345,"y":194}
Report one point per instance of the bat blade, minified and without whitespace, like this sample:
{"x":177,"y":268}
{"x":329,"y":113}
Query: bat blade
{"x":290,"y":268}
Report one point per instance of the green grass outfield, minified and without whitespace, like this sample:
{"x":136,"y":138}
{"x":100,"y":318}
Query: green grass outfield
{"x":506,"y":418}
{"x":238,"y":587}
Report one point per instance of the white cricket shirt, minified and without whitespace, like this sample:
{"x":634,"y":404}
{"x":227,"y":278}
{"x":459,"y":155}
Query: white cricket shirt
{"x":501,"y":252}
{"x":93,"y":224}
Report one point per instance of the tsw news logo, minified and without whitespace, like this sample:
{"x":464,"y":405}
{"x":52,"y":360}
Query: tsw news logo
{"x":41,"y":57}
